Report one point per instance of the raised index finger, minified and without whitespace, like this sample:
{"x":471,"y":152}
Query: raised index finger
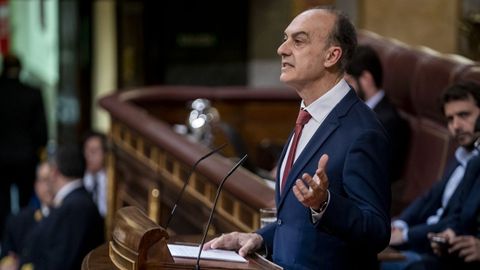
{"x":322,"y":162}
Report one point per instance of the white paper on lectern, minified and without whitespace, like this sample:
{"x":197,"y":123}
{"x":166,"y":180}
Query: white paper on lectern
{"x":211,"y":254}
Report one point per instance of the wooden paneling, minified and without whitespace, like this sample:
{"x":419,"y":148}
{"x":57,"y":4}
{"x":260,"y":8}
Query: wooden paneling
{"x":431,"y":23}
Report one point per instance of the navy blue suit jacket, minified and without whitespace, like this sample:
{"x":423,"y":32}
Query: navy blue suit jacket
{"x":416,"y":214}
{"x":398,"y":131}
{"x":468,"y":222}
{"x":356,"y":224}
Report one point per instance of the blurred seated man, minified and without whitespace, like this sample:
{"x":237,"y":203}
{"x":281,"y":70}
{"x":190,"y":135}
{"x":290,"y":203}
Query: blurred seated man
{"x":74,"y":226}
{"x":458,"y":247}
{"x":95,"y":178}
{"x":365,"y":74}
{"x":435,"y":210}
{"x":19,"y":226}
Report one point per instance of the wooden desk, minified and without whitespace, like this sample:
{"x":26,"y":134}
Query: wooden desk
{"x":99,"y":259}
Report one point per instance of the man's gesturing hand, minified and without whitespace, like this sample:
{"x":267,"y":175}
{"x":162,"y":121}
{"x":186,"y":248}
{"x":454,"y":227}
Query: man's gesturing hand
{"x":317,"y":191}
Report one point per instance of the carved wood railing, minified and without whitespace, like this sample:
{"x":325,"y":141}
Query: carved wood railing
{"x":148,"y":162}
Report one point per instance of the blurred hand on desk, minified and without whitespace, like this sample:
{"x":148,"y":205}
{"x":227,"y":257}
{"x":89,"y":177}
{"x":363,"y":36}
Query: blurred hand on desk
{"x":245,"y":243}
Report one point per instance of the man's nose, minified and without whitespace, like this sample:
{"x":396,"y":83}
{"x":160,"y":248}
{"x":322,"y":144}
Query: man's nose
{"x":283,"y":49}
{"x":456,"y":124}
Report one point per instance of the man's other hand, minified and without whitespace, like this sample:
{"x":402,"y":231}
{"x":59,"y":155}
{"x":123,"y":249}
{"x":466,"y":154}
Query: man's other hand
{"x":245,"y":243}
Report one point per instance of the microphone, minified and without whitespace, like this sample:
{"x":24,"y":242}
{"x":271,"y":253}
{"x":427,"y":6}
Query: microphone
{"x":219,"y":189}
{"x":188,"y":180}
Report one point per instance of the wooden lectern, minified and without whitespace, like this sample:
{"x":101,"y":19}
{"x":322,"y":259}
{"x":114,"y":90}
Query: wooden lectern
{"x":138,"y":243}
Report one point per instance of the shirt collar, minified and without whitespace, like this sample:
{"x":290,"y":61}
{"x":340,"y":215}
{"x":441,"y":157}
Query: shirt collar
{"x":463,"y":156}
{"x":98,"y":173}
{"x":375,"y":99}
{"x":65,"y":190}
{"x":321,"y":107}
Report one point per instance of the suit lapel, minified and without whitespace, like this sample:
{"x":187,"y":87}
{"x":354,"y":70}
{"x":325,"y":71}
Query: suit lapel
{"x":465,"y":185}
{"x":329,"y":125}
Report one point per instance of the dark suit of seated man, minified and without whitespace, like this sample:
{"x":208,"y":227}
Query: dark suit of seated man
{"x":74,"y":226}
{"x":19,"y":226}
{"x":441,"y":205}
{"x":461,"y":249}
{"x":365,"y":74}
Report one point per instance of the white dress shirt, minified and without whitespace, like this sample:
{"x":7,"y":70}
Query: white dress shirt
{"x":101,"y":189}
{"x":462,"y":156}
{"x":375,"y":99}
{"x":319,"y":110}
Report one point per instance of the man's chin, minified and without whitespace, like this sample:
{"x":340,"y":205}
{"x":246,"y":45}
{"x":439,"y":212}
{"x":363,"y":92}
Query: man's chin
{"x":288,"y":80}
{"x":470,"y":145}
{"x":284,"y":78}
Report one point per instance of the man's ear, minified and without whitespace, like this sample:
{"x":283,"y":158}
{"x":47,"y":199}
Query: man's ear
{"x":333,"y":56}
{"x":54,"y":172}
{"x":366,"y":79}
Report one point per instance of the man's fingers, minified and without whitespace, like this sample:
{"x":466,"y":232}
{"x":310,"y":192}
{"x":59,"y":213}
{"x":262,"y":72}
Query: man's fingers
{"x":248,"y":243}
{"x":214,"y":243}
{"x":208,"y":245}
{"x":458,"y":243}
{"x":470,"y":258}
{"x":223,"y":241}
{"x":302,"y":192}
{"x":466,"y":252}
{"x":312,"y":191}
{"x":249,"y":246}
{"x":448,"y":233}
{"x":299,"y":195}
{"x":311,"y":181}
{"x":322,"y":163}
{"x":435,"y":248}
{"x":301,"y":185}
{"x":321,"y":173}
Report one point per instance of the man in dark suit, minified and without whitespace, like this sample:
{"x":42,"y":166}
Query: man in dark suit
{"x":18,"y":226}
{"x":24,"y":133}
{"x":95,"y":177}
{"x":461,"y":249}
{"x":365,"y":74}
{"x":74,"y":226}
{"x":337,"y":219}
{"x":440,"y":206}
{"x":462,"y":239}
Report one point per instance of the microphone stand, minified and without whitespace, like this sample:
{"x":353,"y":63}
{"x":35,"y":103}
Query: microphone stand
{"x":188,"y":180}
{"x":219,"y":189}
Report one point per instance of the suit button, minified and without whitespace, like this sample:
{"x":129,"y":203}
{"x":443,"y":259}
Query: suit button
{"x":279,"y":222}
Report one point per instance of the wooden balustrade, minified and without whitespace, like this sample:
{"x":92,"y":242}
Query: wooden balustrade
{"x":148,"y":162}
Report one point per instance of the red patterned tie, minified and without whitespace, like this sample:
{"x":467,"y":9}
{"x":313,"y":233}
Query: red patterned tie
{"x":302,"y":119}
